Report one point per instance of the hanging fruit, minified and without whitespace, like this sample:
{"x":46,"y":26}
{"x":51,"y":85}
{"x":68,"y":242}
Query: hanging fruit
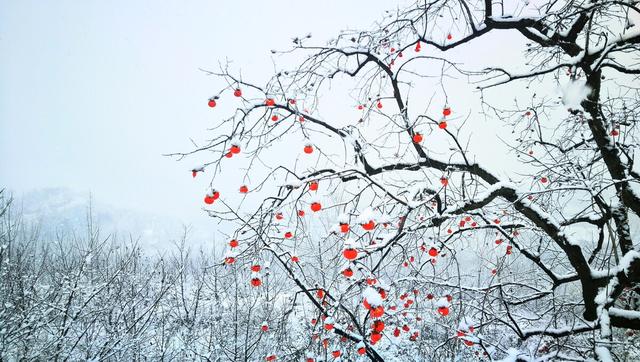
{"x":433,"y":252}
{"x":264,"y":327}
{"x":379,"y":105}
{"x":316,"y":206}
{"x":442,"y":124}
{"x":229,"y":260}
{"x":350,"y":253}
{"x":347,"y":272}
{"x":208,"y":199}
{"x":377,"y":312}
{"x":444,"y":181}
{"x":344,"y":228}
{"x":244,"y":189}
{"x":417,"y":138}
{"x":313,"y":186}
{"x":375,"y":337}
{"x":235,"y":149}
{"x":328,"y":324}
{"x":255,"y":268}
{"x":212,"y":103}
{"x":288,"y":235}
{"x":443,"y":310}
{"x":270,"y":102}
{"x":274,"y":118}
{"x":256,"y":282}
{"x":446,"y":111}
{"x":417,"y":48}
{"x":233,"y":243}
{"x":378,"y":326}
{"x":301,"y":213}
{"x":449,"y":36}
{"x":308,"y":149}
{"x":237,"y":92}
{"x":369,"y":225}
{"x":366,"y":304}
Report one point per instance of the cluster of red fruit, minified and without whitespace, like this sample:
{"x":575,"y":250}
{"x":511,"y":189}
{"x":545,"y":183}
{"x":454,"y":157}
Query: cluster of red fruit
{"x":255,"y":279}
{"x":212,"y":197}
{"x":462,"y":334}
{"x":350,"y":253}
{"x":235,"y":148}
{"x":212,"y":101}
{"x":418,"y":137}
{"x":445,"y":113}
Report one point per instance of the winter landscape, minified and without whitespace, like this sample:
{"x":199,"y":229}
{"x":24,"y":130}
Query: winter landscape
{"x":320,"y":181}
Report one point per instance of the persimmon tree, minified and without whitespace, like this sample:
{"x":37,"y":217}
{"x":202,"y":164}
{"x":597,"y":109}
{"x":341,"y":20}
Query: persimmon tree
{"x":359,"y":172}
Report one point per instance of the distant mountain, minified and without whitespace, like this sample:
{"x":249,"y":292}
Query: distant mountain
{"x":63,"y":210}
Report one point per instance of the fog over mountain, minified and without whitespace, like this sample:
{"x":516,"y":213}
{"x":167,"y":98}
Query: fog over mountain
{"x":62,"y":210}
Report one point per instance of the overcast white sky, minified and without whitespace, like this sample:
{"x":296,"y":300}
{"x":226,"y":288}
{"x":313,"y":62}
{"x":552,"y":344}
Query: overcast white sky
{"x":92,"y":93}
